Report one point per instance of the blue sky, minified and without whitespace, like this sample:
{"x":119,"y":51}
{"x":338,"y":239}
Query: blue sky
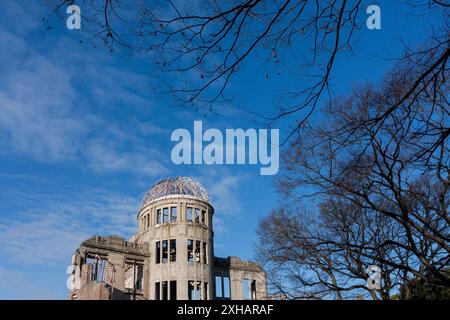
{"x":84,"y":134}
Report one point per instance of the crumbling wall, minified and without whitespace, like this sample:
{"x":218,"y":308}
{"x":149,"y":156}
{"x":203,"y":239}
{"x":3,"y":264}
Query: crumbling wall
{"x":238,"y":273}
{"x":104,"y":266}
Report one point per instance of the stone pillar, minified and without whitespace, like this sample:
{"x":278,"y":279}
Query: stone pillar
{"x":86,"y":270}
{"x":236,"y":285}
{"x":119,"y":264}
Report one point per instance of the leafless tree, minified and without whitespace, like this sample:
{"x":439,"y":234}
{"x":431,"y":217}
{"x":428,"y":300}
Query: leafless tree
{"x":397,"y":198}
{"x":310,"y":256}
{"x":209,"y":41}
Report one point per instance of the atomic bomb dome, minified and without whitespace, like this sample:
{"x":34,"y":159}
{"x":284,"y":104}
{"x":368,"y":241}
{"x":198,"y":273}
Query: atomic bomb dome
{"x":170,"y":257}
{"x":176,"y":186}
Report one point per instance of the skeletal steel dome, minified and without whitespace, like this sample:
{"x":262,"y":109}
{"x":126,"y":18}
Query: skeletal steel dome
{"x":176,"y":186}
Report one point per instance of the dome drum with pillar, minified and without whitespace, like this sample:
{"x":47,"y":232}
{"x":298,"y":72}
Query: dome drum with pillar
{"x":171,"y":257}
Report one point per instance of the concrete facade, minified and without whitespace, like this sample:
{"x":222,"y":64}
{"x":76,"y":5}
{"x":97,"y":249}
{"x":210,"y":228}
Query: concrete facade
{"x":170,"y":257}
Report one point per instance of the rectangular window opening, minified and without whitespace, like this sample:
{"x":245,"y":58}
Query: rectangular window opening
{"x":165,"y":215}
{"x":197,"y":215}
{"x":158,"y":216}
{"x":190,"y":250}
{"x":99,"y":270}
{"x":191,"y":290}
{"x":246,"y":286}
{"x":203,"y":216}
{"x":205,"y":291}
{"x":173,"y":250}
{"x":157,"y":291}
{"x":189,"y":214}
{"x":219,"y":293}
{"x":226,"y":288}
{"x":197,"y":251}
{"x":164,"y":290}
{"x":164,"y":251}
{"x":205,"y":254}
{"x":139,"y":277}
{"x":253,"y":289}
{"x":173,"y":214}
{"x":173,"y":290}
{"x":198,"y":291}
{"x":158,"y":252}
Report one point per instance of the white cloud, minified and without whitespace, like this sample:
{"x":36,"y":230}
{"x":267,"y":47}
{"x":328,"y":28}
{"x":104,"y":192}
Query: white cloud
{"x":36,"y":119}
{"x":48,"y":232}
{"x":117,"y":86}
{"x":103,"y":157}
{"x":37,"y":241}
{"x":151,"y":128}
{"x":223,"y":188}
{"x":44,"y":117}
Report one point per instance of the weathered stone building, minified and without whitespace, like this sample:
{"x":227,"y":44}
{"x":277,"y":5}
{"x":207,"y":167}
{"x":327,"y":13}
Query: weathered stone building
{"x":170,"y":257}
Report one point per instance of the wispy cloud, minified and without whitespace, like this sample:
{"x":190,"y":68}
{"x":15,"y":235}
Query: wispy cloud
{"x":49,"y":231}
{"x":223,"y":188}
{"x":59,"y":113}
{"x":45,"y":119}
{"x":37,"y":242}
{"x":36,"y":119}
{"x":103,"y":156}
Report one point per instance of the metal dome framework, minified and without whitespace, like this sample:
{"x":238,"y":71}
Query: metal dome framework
{"x":176,"y":186}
